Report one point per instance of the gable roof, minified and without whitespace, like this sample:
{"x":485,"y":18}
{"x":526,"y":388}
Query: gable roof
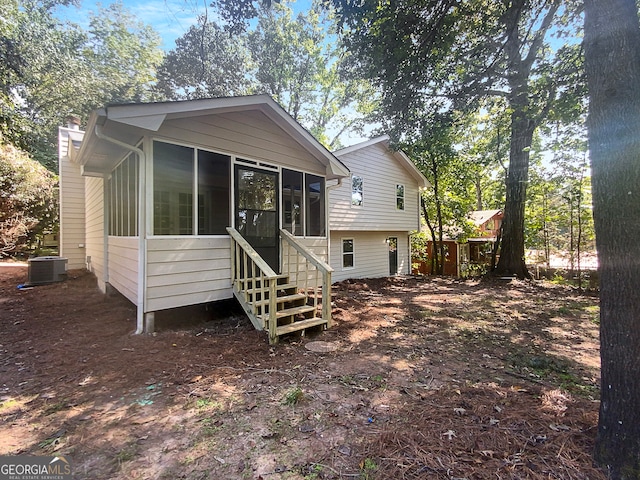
{"x":116,"y":120}
{"x":478,"y":217}
{"x":399,"y":155}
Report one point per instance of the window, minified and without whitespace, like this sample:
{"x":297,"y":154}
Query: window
{"x":315,"y":220}
{"x":161,"y":212}
{"x":174,"y":177}
{"x":303,"y":214}
{"x":292,"y":201}
{"x":214,"y":178}
{"x":185,"y":213}
{"x":400,"y":197}
{"x":347,"y":253}
{"x":123,"y":198}
{"x":356,"y":191}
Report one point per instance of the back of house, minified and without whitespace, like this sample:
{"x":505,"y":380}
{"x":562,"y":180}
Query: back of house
{"x":184,"y":203}
{"x":373,"y":212}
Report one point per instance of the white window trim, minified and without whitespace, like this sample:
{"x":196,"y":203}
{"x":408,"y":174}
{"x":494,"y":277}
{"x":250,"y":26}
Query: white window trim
{"x":361,"y":191}
{"x":404,"y":196}
{"x":342,"y":253}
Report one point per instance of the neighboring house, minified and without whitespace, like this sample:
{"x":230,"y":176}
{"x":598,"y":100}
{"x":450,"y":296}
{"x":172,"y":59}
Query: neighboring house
{"x":373,"y":212}
{"x":480,"y":247}
{"x":460,"y":258}
{"x":182,"y":203}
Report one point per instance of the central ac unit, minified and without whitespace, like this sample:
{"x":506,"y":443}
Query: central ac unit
{"x":44,"y":270}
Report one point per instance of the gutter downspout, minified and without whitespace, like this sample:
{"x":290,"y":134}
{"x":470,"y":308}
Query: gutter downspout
{"x":328,"y":217}
{"x":142,"y":251}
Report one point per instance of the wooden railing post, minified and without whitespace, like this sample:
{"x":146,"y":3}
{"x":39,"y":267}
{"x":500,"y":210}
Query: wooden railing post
{"x":233,"y":260}
{"x":320,"y":267}
{"x":253,"y":279}
{"x":251,"y":272}
{"x":273,"y":319}
{"x":326,"y":297}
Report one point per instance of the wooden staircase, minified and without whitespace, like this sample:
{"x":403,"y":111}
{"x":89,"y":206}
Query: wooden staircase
{"x":281,"y":303}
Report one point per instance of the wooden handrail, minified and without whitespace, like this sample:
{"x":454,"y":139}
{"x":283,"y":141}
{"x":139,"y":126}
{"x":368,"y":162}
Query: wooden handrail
{"x":255,"y":256}
{"x":315,"y":260}
{"x":266,"y":273}
{"x":321,"y":266}
{"x":253,"y":280}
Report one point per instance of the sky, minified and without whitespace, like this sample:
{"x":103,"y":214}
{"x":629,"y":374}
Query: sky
{"x":170,"y":18}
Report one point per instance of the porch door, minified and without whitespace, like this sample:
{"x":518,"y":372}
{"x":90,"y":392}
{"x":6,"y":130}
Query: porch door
{"x":393,"y":255}
{"x":257,"y":212}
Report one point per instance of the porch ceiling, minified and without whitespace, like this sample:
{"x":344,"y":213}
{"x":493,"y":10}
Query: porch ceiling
{"x":98,"y":156}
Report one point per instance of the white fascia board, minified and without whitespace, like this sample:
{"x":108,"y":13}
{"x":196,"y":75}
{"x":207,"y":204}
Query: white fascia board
{"x":95,"y":117}
{"x":335,"y":168}
{"x":177,"y":109}
{"x":148,"y":122}
{"x":151,"y":116}
{"x":361,"y":145}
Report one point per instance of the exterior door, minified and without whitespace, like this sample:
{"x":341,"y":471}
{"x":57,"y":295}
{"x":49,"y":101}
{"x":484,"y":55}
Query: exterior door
{"x":393,"y":255}
{"x":257,"y":212}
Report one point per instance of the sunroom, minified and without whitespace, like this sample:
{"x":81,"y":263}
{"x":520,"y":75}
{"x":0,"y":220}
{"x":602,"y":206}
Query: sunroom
{"x":197,"y":201}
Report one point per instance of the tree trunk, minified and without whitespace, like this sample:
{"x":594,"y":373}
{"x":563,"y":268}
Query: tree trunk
{"x":545,"y":227}
{"x":438,"y":244}
{"x":433,"y":254}
{"x":612,"y":62}
{"x":512,"y":251}
{"x":523,"y":123}
{"x":478,"y":188}
{"x":572,"y":244}
{"x":579,"y":241}
{"x":494,"y":250}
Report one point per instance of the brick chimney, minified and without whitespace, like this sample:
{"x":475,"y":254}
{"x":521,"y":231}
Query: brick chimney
{"x":73,"y":122}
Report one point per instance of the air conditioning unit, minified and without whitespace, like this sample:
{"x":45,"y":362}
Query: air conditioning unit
{"x":44,"y":270}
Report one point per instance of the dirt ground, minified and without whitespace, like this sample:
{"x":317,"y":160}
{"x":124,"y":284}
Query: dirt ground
{"x":430,"y":378}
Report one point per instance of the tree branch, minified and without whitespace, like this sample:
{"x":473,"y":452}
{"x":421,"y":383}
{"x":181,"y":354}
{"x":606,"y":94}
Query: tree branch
{"x":536,"y":44}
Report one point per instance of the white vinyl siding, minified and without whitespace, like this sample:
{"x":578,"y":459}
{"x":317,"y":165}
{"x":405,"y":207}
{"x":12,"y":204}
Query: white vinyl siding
{"x":187,"y":271}
{"x":372,"y":253}
{"x":72,"y":216}
{"x":179,"y":270}
{"x":123,"y":266}
{"x":319,"y":246}
{"x":381,"y":174}
{"x":251,"y":135}
{"x":94,"y":227}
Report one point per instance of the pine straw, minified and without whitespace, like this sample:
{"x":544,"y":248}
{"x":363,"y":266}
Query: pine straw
{"x":487,"y":432}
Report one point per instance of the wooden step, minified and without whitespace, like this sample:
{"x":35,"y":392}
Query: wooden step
{"x":294,"y":311}
{"x":282,"y":299}
{"x":280,"y":279}
{"x":301,"y":325}
{"x":284,"y":287}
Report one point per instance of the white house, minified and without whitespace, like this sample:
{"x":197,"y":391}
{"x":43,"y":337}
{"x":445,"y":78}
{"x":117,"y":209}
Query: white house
{"x":182,"y":203}
{"x":373,"y":212}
